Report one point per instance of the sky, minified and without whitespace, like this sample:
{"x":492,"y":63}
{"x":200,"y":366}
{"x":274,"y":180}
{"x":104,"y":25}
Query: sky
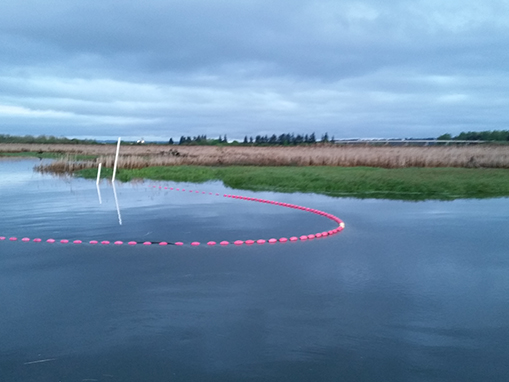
{"x":160,"y":69}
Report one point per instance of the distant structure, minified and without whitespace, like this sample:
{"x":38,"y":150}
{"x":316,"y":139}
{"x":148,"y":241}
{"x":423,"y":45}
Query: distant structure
{"x":140,"y":141}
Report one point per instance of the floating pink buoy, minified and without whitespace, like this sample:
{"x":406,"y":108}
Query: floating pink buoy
{"x":339,"y":228}
{"x":147,"y":243}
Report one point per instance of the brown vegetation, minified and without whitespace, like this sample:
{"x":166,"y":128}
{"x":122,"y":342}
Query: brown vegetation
{"x":140,"y":156}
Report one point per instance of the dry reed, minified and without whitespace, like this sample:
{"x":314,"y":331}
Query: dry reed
{"x":485,"y":156}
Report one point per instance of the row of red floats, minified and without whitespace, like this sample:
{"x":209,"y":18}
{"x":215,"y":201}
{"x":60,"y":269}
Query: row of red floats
{"x":339,"y":228}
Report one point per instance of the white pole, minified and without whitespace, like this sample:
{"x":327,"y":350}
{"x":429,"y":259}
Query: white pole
{"x":98,"y":174}
{"x":116,"y":161}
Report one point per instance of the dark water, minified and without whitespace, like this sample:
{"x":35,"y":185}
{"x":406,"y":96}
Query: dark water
{"x":407,"y":292}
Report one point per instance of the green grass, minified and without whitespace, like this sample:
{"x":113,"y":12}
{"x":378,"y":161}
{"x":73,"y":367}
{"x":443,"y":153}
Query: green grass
{"x":362,"y":182}
{"x":48,"y":155}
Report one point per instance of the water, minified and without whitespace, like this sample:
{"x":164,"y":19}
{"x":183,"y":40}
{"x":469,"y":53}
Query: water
{"x":407,"y":292}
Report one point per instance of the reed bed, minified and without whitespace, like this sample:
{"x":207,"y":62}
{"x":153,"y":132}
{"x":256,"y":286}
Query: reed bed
{"x":134,"y":157}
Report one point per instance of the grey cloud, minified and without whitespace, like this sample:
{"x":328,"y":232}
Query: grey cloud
{"x":167,"y":68}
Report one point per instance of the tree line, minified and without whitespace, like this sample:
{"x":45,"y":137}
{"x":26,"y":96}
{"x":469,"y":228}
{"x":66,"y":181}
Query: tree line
{"x":289,"y":139}
{"x":494,"y":135}
{"x":6,"y":138}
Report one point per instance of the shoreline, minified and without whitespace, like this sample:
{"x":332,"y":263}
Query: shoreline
{"x":371,"y":172}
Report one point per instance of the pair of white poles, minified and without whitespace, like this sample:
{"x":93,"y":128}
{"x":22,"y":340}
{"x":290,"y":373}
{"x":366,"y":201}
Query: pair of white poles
{"x":114,"y":166}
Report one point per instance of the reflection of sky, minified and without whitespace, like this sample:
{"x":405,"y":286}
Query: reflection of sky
{"x":405,"y":284}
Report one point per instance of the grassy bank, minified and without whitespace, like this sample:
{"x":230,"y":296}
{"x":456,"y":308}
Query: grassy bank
{"x":369,"y":182}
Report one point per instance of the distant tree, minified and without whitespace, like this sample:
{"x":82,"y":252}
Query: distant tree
{"x":170,"y":142}
{"x":325,"y":137}
{"x":445,"y":137}
{"x":245,"y":140}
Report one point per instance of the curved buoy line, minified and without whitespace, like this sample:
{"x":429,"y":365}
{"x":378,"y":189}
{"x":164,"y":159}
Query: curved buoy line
{"x":338,"y":221}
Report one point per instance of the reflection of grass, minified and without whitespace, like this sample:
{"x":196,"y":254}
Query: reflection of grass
{"x":405,"y":183}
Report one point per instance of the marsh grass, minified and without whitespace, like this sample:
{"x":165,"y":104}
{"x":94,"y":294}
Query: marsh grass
{"x":364,"y":182}
{"x":132,"y":157}
{"x":414,"y":173}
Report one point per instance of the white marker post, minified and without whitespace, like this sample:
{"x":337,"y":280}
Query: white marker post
{"x":98,"y":174}
{"x":116,"y":161}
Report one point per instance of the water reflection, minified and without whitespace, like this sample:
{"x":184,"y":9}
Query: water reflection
{"x":116,"y":203}
{"x":99,"y":193}
{"x":408,"y":292}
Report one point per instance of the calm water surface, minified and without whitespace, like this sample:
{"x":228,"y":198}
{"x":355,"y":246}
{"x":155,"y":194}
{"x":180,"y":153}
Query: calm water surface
{"x":407,"y":292}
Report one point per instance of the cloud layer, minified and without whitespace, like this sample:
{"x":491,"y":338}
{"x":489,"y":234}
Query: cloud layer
{"x":165,"y":68}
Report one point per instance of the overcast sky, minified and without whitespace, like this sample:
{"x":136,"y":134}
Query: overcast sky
{"x":165,"y":68}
